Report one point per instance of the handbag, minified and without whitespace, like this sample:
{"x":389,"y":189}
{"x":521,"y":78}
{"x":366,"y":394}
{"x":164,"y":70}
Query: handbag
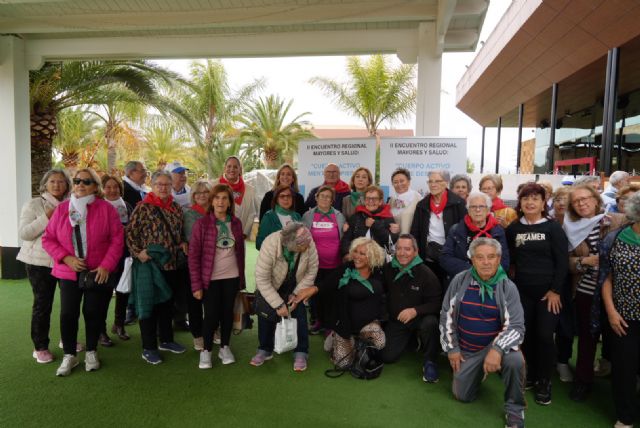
{"x":366,"y":363}
{"x":86,"y":278}
{"x":263,"y":308}
{"x":181,"y":257}
{"x":124,"y":284}
{"x":286,"y":337}
{"x":238,"y":314}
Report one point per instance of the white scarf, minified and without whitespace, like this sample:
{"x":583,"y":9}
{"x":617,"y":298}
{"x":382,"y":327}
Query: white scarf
{"x":136,"y":186}
{"x":577,"y":231}
{"x":121,"y":207}
{"x":52,"y":200}
{"x":403,"y":200}
{"x":78,"y":209}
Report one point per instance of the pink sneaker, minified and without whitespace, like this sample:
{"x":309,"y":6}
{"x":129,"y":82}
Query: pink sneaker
{"x":260,"y":358}
{"x":43,"y":357}
{"x":299,"y":363}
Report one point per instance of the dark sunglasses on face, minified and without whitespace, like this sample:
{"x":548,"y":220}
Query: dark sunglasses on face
{"x":85,"y":181}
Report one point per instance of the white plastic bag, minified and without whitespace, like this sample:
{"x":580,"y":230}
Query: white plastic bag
{"x":286,"y":335}
{"x":124,"y":285}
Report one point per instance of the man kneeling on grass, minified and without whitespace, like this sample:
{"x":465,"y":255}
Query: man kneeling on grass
{"x":414,"y":298}
{"x":481,"y":328}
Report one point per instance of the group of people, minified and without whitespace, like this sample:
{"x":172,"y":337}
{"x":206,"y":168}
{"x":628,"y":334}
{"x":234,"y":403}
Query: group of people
{"x":498,"y":289}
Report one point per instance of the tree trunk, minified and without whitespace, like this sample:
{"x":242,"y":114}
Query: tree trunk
{"x":271,"y":159}
{"x":43,"y":129}
{"x":111,"y":149}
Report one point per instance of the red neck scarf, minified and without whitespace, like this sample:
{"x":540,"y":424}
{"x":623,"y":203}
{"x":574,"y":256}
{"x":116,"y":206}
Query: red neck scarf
{"x":383,"y":212}
{"x":340,"y":187}
{"x":437,"y":209}
{"x":152,"y":199}
{"x":200,"y":209}
{"x":491,"y":223}
{"x":497,"y":204}
{"x":238,"y":188}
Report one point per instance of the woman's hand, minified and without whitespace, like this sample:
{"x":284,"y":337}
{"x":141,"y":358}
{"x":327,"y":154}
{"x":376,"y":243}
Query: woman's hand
{"x":283,"y":311}
{"x":593,"y":260}
{"x":185,"y":247}
{"x":143,"y":256}
{"x":345,"y":227}
{"x":102,"y":274}
{"x":197,"y":294}
{"x":553,"y":302}
{"x":394,"y":228}
{"x":303,"y":295}
{"x":618,"y":324}
{"x":76,"y":264}
{"x":369,"y":221}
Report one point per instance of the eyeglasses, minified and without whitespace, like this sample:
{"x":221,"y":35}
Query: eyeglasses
{"x":325,"y":197}
{"x":200,"y":193}
{"x":332,"y":172}
{"x":85,"y":181}
{"x":371,"y":199}
{"x":435,"y":181}
{"x":284,"y":196}
{"x":162,"y":184}
{"x":477,"y":207}
{"x":581,"y":201}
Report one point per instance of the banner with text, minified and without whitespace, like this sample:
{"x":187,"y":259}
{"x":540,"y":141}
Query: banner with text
{"x":349,"y":154}
{"x":420,"y":155}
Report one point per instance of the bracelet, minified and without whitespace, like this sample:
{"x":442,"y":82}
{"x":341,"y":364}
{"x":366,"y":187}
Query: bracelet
{"x":579,"y":265}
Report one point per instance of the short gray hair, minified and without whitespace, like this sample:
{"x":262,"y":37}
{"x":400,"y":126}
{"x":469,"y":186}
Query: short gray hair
{"x":160,"y":173}
{"x":484,"y":241}
{"x":444,"y":174}
{"x":586,"y":179}
{"x":130,"y":166}
{"x":474,"y":195}
{"x":42,"y":188}
{"x":462,"y":177}
{"x":618,"y":176}
{"x":632,"y":208}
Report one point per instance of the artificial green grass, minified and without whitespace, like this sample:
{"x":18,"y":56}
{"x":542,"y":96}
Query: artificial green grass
{"x":127,"y":392}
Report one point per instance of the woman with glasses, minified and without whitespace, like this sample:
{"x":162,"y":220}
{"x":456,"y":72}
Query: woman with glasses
{"x":477,"y":223}
{"x":84,"y":238}
{"x":282,"y":212}
{"x":491,"y":184}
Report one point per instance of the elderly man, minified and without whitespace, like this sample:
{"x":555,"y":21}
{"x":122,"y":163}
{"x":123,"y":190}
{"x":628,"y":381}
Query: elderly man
{"x":180,"y":191}
{"x":331,"y":178}
{"x":135,"y":175}
{"x":413,"y":301}
{"x":481,"y":328}
{"x":617,"y":181}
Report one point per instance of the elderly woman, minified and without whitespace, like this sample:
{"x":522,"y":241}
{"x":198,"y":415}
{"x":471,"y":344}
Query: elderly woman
{"x":198,"y":208}
{"x":244,"y":195}
{"x":620,"y":272}
{"x":285,"y":176}
{"x":623,"y":196}
{"x":360,"y":301}
{"x":478,"y":223}
{"x":360,"y":180}
{"x":491,"y":184}
{"x":559,"y":203}
{"x":373,"y":220}
{"x":434,"y":217}
{"x":539,"y":257}
{"x":585,"y":226}
{"x":85,"y":239}
{"x":216,"y":263}
{"x":154,"y":238}
{"x":461,"y":185}
{"x":287,"y":261}
{"x":35,"y":215}
{"x":403,"y":204}
{"x":282,"y":212}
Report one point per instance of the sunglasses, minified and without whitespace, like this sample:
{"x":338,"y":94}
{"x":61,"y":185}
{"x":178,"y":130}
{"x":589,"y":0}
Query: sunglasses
{"x":85,"y":181}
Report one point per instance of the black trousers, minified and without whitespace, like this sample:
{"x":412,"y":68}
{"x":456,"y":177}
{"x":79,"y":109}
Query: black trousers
{"x":95,"y":304}
{"x":181,"y":293}
{"x":566,"y":327}
{"x":218,"y":303}
{"x":624,"y":366}
{"x":325,"y":301}
{"x":122,"y":299}
{"x":538,"y":346}
{"x":158,"y":325}
{"x":43,"y":285}
{"x":195,"y":311}
{"x":398,"y":335}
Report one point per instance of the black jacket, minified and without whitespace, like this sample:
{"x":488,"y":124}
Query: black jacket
{"x":265,"y":205}
{"x":357,"y":228}
{"x":131,"y":195}
{"x":454,"y":211}
{"x":422,"y":292}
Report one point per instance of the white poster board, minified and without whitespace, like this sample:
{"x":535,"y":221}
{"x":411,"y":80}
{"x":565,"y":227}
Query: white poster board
{"x":420,"y":155}
{"x":348,"y":153}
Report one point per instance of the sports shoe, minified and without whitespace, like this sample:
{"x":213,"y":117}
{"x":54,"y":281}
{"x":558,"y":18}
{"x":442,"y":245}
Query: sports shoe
{"x":543,"y":392}
{"x":205,"y":360}
{"x":43,"y":357}
{"x":79,"y":346}
{"x":430,"y":372}
{"x":198,"y":343}
{"x":174,"y":347}
{"x":151,"y":356}
{"x":619,"y":424}
{"x":260,"y":357}
{"x":105,"y":340}
{"x":580,"y":391}
{"x":514,"y":421}
{"x":91,"y":361}
{"x":69,"y":361}
{"x":226,"y":355}
{"x":602,"y":368}
{"x":315,"y":328}
{"x":299,"y":363}
{"x":564,"y":372}
{"x":216,"y":337}
{"x":529,"y":384}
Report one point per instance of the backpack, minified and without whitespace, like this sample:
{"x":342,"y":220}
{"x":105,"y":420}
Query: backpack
{"x":366,"y":364}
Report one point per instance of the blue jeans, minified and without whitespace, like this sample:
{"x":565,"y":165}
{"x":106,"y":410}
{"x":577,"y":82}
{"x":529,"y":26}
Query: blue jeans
{"x":267,"y":330}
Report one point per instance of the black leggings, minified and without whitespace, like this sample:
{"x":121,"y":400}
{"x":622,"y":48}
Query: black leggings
{"x":218,"y":303}
{"x":538,"y":346}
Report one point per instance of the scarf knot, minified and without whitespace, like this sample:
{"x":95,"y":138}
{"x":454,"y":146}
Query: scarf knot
{"x":325,"y":214}
{"x":152,"y":199}
{"x":352,"y":273}
{"x":238,"y":188}
{"x":405,"y":270}
{"x":439,"y":208}
{"x":488,"y":285}
{"x":490,"y":224}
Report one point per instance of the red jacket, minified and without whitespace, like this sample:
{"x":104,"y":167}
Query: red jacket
{"x":202,"y":250}
{"x":105,"y":238}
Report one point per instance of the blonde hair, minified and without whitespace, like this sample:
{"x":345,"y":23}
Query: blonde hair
{"x":375,"y":253}
{"x":94,"y":176}
{"x":197,"y":187}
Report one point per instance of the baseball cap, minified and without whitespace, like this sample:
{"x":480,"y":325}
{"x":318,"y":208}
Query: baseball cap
{"x":175,"y":167}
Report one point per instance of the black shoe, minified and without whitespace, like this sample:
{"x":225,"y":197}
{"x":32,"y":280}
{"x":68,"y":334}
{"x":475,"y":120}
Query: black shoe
{"x":543,"y":392}
{"x":580,"y":391}
{"x":529,"y":384}
{"x":130,"y":318}
{"x":105,"y":340}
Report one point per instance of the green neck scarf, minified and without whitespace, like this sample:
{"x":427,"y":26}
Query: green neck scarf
{"x":290,"y":257}
{"x":490,"y":283}
{"x":629,"y":236}
{"x":396,"y":264}
{"x":224,"y":229}
{"x":356,"y":198}
{"x":350,"y":274}
{"x":325,"y":214}
{"x":282,"y":211}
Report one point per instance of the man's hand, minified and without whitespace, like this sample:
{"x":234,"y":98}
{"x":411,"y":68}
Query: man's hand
{"x":406,"y":315}
{"x":492,"y":361}
{"x":553,"y":302}
{"x":455,"y":360}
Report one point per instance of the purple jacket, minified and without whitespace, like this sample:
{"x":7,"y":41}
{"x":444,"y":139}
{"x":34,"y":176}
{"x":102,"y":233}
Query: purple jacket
{"x":202,"y":250}
{"x":105,"y":238}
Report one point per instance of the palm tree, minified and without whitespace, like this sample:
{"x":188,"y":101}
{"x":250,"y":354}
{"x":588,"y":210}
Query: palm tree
{"x":75,"y":133}
{"x":266,"y":130}
{"x":375,"y":92}
{"x":164,"y":142}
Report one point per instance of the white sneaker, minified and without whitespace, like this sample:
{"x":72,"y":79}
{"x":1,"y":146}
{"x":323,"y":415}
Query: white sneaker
{"x":602,"y":368}
{"x":226,"y":355}
{"x":205,"y":360}
{"x":91,"y":361}
{"x":619,"y":424}
{"x":198,"y":343}
{"x":564,"y":371}
{"x":216,"y":337}
{"x":69,"y":361}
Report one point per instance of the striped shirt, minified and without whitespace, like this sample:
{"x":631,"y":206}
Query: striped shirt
{"x":587,"y":284}
{"x":478,"y":323}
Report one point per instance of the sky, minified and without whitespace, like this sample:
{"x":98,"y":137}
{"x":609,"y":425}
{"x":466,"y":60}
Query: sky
{"x":289,"y":78}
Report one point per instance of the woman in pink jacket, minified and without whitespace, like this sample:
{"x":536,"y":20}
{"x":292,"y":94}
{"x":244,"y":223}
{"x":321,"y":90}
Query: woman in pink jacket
{"x":216,"y":265}
{"x":84,"y":234}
